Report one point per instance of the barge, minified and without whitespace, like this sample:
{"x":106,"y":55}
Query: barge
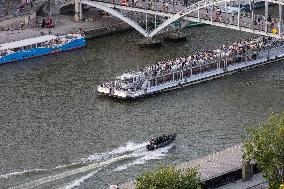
{"x":203,"y":66}
{"x":39,"y":46}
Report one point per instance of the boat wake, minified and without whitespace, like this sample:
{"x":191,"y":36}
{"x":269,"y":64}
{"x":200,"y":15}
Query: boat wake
{"x":20,"y":173}
{"x":87,"y":167}
{"x":148,"y":155}
{"x":128,"y":148}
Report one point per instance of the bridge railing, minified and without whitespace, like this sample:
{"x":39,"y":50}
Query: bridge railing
{"x":202,"y":11}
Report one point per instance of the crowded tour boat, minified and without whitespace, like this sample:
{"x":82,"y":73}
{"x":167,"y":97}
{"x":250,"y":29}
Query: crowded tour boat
{"x":183,"y":71}
{"x":39,"y":46}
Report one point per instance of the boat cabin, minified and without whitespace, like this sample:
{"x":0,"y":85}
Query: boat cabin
{"x":26,"y":44}
{"x":128,"y":80}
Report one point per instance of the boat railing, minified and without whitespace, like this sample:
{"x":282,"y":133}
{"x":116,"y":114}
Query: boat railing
{"x":185,"y":68}
{"x":201,"y":68}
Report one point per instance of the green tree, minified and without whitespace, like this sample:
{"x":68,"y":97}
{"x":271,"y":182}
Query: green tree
{"x":167,"y":177}
{"x":265,"y":145}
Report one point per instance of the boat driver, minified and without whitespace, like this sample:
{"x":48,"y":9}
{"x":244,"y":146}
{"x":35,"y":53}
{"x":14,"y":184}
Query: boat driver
{"x":152,"y":141}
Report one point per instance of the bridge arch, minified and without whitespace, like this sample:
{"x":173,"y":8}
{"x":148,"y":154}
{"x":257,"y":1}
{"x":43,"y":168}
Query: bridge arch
{"x":59,"y":4}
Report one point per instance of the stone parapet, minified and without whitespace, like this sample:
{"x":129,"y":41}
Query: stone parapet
{"x":28,"y":17}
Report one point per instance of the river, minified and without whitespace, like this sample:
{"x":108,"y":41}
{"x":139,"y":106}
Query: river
{"x":57,"y":132}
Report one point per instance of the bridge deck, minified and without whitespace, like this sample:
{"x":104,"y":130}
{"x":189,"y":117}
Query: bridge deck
{"x":194,"y":12}
{"x":209,"y":166}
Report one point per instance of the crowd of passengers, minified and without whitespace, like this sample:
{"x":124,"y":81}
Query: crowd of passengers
{"x":249,"y":47}
{"x":240,"y":48}
{"x":159,"y":140}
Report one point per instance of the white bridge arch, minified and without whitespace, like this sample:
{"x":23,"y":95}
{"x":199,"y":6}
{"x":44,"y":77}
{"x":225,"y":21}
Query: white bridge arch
{"x":184,"y":14}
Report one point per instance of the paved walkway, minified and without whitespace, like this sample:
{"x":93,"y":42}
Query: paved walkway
{"x":210,"y":166}
{"x":63,"y":24}
{"x":257,"y":182}
{"x":217,"y":164}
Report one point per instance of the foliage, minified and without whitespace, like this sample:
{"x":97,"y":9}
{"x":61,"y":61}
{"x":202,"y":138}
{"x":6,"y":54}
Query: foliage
{"x":265,"y":145}
{"x":167,"y":177}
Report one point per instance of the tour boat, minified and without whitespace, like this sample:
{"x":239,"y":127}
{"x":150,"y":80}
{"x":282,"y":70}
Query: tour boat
{"x":202,"y":66}
{"x":39,"y":46}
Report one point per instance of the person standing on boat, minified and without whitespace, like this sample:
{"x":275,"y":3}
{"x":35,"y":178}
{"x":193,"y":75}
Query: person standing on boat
{"x":152,"y":141}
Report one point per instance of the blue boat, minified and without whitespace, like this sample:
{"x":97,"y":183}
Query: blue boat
{"x":39,"y":46}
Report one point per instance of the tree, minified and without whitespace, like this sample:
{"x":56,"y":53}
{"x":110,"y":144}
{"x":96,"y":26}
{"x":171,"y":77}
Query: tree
{"x":265,"y":145}
{"x":167,"y":177}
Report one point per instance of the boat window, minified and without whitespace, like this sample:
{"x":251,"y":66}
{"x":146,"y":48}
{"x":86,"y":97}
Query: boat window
{"x":33,"y":45}
{"x":128,"y":80}
{"x":39,"y":45}
{"x":26,"y":47}
{"x":16,"y":49}
{"x":3,"y":52}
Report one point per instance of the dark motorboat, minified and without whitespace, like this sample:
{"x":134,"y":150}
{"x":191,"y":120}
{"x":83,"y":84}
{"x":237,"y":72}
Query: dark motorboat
{"x":161,"y":142}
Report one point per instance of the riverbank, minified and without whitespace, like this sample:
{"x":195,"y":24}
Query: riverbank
{"x":66,"y":24}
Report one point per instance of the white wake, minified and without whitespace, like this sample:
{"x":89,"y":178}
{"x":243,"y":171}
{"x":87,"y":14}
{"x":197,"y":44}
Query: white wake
{"x":93,"y":163}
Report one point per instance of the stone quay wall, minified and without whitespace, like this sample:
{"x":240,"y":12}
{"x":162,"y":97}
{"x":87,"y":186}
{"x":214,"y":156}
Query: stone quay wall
{"x":106,"y":30}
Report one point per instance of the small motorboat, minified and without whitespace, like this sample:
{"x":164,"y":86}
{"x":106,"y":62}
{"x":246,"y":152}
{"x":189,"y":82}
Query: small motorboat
{"x":160,"y":142}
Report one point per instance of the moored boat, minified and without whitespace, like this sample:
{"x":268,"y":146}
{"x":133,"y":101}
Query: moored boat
{"x":161,"y":142}
{"x":184,"y":71}
{"x":39,"y":46}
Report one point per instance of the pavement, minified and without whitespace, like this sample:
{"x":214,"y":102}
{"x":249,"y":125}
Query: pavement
{"x":63,"y":25}
{"x":257,"y":182}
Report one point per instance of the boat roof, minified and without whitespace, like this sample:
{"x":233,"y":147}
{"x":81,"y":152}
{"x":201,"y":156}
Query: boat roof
{"x":128,"y":75}
{"x":26,"y":42}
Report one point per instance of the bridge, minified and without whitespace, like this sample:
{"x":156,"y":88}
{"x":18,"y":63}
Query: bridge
{"x":212,"y":12}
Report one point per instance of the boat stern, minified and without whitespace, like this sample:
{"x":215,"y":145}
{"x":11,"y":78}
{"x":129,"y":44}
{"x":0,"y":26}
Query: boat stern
{"x":124,"y":94}
{"x":103,"y":89}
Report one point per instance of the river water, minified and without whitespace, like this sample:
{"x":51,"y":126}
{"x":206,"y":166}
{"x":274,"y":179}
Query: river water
{"x":57,"y":132}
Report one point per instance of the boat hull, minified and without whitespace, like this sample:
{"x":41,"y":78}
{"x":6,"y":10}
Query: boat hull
{"x":172,"y":138}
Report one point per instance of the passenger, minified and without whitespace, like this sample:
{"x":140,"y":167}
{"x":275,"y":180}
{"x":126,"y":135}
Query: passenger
{"x":205,"y":58}
{"x":152,"y":141}
{"x":165,"y":138}
{"x":160,"y":140}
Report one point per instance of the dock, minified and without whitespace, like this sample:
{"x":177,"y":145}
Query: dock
{"x":210,"y":167}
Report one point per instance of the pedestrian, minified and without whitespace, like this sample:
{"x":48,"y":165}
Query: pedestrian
{"x":43,"y":23}
{"x":167,"y":5}
{"x":150,"y":4}
{"x":21,"y":25}
{"x":185,"y":2}
{"x":206,"y":14}
{"x":18,"y":9}
{"x":269,"y":18}
{"x":163,"y":5}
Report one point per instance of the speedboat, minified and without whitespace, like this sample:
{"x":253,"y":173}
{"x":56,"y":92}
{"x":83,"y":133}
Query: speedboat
{"x":160,"y":142}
